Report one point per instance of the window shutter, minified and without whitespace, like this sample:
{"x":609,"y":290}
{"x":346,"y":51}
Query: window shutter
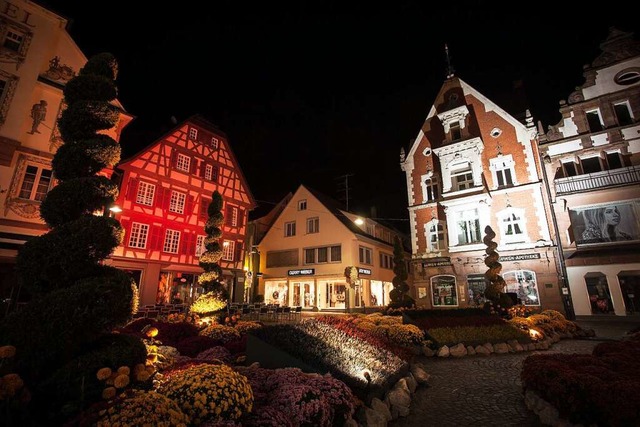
{"x":204,"y":205}
{"x":185,"y":240}
{"x":174,"y":158}
{"x":214,"y":174}
{"x":157,"y":238}
{"x":166,"y":198}
{"x":132,"y":189}
{"x":188,"y":208}
{"x":240,"y":217}
{"x":238,"y":255}
{"x":125,"y":223}
{"x":193,"y":239}
{"x":203,"y":168}
{"x":194,"y":166}
{"x":228,"y":215}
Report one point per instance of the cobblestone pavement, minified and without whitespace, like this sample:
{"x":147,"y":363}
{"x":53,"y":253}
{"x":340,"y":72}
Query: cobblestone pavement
{"x":478,"y":390}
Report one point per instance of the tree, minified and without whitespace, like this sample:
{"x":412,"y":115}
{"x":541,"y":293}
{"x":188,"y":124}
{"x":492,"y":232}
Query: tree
{"x":496,"y":283}
{"x":399,"y":294}
{"x":77,"y":301}
{"x":216,"y":295}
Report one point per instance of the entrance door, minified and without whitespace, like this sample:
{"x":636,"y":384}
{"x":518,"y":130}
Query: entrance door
{"x":630,"y":287}
{"x":599,"y":294}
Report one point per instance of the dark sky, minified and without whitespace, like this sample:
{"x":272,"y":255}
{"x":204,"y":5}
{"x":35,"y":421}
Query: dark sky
{"x":308,"y":92}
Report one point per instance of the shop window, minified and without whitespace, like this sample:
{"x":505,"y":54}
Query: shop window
{"x":477,"y":285}
{"x":630,"y":287}
{"x":146,"y":192}
{"x":443,"y":290}
{"x":623,"y":113}
{"x":599,"y":293}
{"x":523,"y":284}
{"x":336,"y":295}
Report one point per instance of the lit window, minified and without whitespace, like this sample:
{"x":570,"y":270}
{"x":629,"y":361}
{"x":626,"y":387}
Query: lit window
{"x":193,"y":134}
{"x":462,"y":179}
{"x":36,"y":183}
{"x":138,"y":237}
{"x":594,"y":120}
{"x":512,"y":225}
{"x":228,"y":248}
{"x":313,"y":225}
{"x":145,"y":194}
{"x":365,"y":255}
{"x":200,"y":248}
{"x":177,"y":202}
{"x":289,"y":229}
{"x":436,"y":236}
{"x":302,"y":205}
{"x":468,"y":224}
{"x":171,"y":241}
{"x":183,"y":163}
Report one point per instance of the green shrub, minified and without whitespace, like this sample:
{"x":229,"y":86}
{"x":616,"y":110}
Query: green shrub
{"x":86,"y":157}
{"x":103,"y":89}
{"x":81,"y":119}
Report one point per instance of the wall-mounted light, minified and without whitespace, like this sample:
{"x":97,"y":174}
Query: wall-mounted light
{"x":359,"y":221}
{"x":115,"y":209}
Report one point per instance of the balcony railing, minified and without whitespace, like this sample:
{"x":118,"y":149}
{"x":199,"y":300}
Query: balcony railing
{"x":598,"y":180}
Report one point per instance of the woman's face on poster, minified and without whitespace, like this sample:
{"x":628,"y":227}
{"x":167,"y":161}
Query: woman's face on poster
{"x":612,"y":215}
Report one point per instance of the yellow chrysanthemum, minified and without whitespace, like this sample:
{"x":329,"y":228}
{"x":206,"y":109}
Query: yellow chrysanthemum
{"x":103,"y":374}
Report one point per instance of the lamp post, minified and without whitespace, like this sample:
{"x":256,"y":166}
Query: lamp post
{"x":565,"y":291}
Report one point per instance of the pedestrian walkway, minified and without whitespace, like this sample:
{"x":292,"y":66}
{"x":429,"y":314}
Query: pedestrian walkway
{"x":478,"y":390}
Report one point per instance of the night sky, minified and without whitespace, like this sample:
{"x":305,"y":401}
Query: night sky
{"x":308,"y":92}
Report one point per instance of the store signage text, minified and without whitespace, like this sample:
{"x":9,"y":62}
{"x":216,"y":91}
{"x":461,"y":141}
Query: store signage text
{"x":437,"y":262}
{"x":303,"y":272}
{"x":364,"y":271}
{"x":521,"y":257}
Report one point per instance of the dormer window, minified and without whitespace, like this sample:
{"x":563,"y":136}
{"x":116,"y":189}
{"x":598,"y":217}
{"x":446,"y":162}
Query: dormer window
{"x":193,"y":134}
{"x":456,"y":132}
{"x":502,"y":170}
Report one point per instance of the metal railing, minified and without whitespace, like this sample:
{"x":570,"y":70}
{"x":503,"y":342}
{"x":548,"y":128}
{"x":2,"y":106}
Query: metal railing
{"x":593,"y":181}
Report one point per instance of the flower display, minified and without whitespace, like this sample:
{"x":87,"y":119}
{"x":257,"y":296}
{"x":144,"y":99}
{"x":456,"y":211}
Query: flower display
{"x":7,"y":351}
{"x":208,"y":303}
{"x":103,"y":374}
{"x":142,"y":408}
{"x":215,"y":353}
{"x":221,"y":333}
{"x":244,"y":327}
{"x":303,"y":398}
{"x":207,"y":392}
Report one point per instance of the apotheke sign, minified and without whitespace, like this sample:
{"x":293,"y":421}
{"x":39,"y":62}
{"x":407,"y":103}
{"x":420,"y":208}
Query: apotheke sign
{"x":522,"y":257}
{"x":303,"y":272}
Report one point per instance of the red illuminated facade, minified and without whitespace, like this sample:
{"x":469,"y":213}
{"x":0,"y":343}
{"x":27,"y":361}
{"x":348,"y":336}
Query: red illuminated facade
{"x":165,"y":191}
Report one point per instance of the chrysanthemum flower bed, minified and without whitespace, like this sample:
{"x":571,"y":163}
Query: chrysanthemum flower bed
{"x":596,"y":389}
{"x":291,"y":397}
{"x":138,"y":407}
{"x":432,"y":319}
{"x":331,"y":350}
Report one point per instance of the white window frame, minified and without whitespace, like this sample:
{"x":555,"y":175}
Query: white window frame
{"x":612,"y":153}
{"x":177,"y":202}
{"x":465,"y":215}
{"x":214,"y":142}
{"x":200,"y":245}
{"x":183,"y":163}
{"x":233,"y":221}
{"x":628,"y":107}
{"x":505,"y":218}
{"x":597,"y":112}
{"x":146,"y":193}
{"x":171,"y":241}
{"x":139,"y":235}
{"x":16,"y":44}
{"x":498,"y":166}
{"x":316,"y":257}
{"x":386,"y":260}
{"x":313,"y":225}
{"x":365,"y":255}
{"x":34,"y":192}
{"x":467,"y":169}
{"x":302,"y":205}
{"x":289,"y":229}
{"x":208,"y":172}
{"x":432,"y":230}
{"x":193,"y":134}
{"x":228,"y":249}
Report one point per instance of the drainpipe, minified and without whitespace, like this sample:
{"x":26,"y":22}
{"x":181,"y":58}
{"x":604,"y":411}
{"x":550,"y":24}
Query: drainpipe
{"x":565,"y":291}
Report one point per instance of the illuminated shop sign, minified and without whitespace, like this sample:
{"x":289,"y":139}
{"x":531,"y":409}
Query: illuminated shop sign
{"x":521,"y":257}
{"x":303,"y":272}
{"x":437,"y":262}
{"x":364,"y":271}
